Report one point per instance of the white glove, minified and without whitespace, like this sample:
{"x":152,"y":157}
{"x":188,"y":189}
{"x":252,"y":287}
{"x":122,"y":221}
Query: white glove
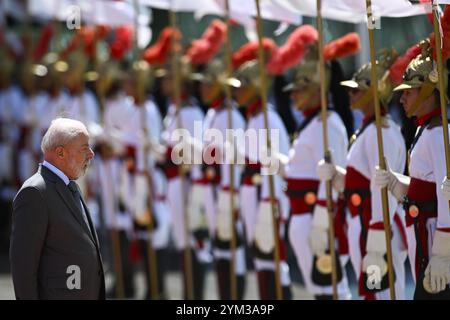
{"x":318,"y":239}
{"x":195,"y":207}
{"x":445,"y":187}
{"x":437,"y":274}
{"x":325,"y":171}
{"x":375,"y":251}
{"x":328,"y":171}
{"x":396,"y":183}
{"x":158,"y":150}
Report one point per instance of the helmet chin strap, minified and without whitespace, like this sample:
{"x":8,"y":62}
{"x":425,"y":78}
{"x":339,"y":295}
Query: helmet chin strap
{"x":365,"y":99}
{"x":426,"y":90}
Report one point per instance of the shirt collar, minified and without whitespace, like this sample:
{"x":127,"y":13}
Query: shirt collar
{"x":253,"y":108}
{"x":311,"y":111}
{"x":421,"y":121}
{"x":56,"y":171}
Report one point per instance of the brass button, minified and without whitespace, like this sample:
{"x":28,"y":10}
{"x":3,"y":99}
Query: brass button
{"x":210,"y":173}
{"x":413,"y":211}
{"x":256,"y":179}
{"x":310,"y":198}
{"x":355,"y":200}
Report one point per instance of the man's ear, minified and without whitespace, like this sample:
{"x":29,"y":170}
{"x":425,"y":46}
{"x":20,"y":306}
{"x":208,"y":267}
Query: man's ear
{"x":60,"y":152}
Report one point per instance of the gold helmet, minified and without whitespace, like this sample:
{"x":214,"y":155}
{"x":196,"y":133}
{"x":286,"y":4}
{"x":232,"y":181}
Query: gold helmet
{"x":183,"y":66}
{"x":306,"y":74}
{"x":51,"y":70}
{"x":248,"y":75}
{"x":6,"y":68}
{"x":422,"y":73}
{"x":362,"y":79}
{"x":214,"y":72}
{"x":106,"y":75}
{"x":143,"y":77}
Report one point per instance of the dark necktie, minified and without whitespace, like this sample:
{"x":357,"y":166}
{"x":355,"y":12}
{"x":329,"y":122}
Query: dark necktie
{"x":77,"y":197}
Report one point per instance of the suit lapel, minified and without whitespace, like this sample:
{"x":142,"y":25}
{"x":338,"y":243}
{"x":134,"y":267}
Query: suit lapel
{"x":91,"y":224}
{"x":68,"y":199}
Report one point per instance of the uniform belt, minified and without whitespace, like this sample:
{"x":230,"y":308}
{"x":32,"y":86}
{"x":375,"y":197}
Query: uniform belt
{"x":418,"y":210}
{"x":251,"y":176}
{"x":302,"y":201}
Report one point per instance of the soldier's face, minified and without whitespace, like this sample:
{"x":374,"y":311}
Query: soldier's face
{"x":78,"y":156}
{"x":166,"y":86}
{"x":355,"y":96}
{"x":305,"y":99}
{"x":210,"y":92}
{"x":409,"y":96}
{"x":245,"y":95}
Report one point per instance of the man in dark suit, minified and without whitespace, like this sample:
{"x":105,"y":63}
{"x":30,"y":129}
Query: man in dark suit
{"x":54,"y":249}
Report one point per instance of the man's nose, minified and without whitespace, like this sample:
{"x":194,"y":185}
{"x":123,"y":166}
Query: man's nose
{"x":91,"y":154}
{"x":403,"y":97}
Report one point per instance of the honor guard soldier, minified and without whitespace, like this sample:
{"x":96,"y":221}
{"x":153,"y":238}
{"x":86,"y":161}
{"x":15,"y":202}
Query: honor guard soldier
{"x":366,"y":231}
{"x":255,"y":197}
{"x":309,"y":225}
{"x":217,"y":160}
{"x":426,"y":208}
{"x":185,"y":183}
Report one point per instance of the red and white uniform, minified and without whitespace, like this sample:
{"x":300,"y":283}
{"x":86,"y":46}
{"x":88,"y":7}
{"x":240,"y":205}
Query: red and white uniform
{"x":255,"y":205}
{"x":28,"y":117}
{"x":82,"y":107}
{"x":364,"y":199}
{"x":426,"y":169}
{"x":218,"y":191}
{"x":190,"y":118}
{"x":127,"y":121}
{"x":10,"y":107}
{"x":305,"y":190}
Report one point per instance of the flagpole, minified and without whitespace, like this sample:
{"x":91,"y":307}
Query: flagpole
{"x":441,"y":80}
{"x":327,"y":156}
{"x":381,"y":158}
{"x":151,"y":254}
{"x":114,"y":234}
{"x":227,"y":58}
{"x":177,"y":97}
{"x":262,"y":71}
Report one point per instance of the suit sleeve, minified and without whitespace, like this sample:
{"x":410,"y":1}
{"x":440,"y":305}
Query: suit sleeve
{"x":29,"y":228}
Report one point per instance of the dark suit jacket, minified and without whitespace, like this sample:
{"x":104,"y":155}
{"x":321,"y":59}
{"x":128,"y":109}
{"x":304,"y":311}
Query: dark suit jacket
{"x":49,"y":236}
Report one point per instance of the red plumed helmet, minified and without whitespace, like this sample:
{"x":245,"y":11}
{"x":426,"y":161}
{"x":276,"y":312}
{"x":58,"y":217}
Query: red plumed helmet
{"x":203,"y":49}
{"x":249,"y":52}
{"x":158,"y":53}
{"x":398,"y":68}
{"x":44,"y":42}
{"x":445,"y":23}
{"x":122,"y":43}
{"x":293,"y":50}
{"x":342,"y":47}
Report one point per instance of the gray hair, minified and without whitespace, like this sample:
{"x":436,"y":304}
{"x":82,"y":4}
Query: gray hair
{"x":61,"y":132}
